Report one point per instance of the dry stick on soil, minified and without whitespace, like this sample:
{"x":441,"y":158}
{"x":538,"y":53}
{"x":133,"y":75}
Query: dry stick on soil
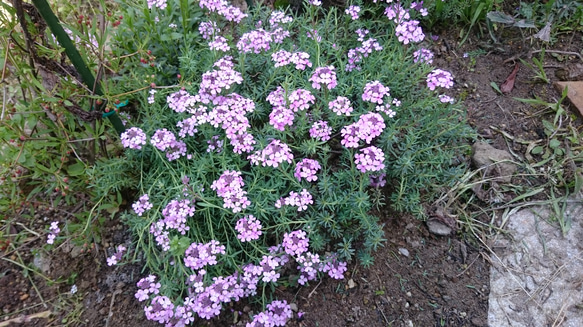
{"x":513,"y":58}
{"x":24,"y":319}
{"x":110,"y":314}
{"x":312,"y":292}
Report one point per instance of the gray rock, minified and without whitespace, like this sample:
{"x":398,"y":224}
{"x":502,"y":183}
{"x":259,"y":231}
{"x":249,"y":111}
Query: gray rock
{"x":489,"y":158}
{"x":42,"y":262}
{"x":438,"y":228}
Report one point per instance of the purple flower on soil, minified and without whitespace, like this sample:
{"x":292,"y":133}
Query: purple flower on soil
{"x":308,"y":264}
{"x":295,"y":243}
{"x":423,"y":55}
{"x":439,"y":78}
{"x":160,"y":310}
{"x":142,"y":205}
{"x":307,"y":169}
{"x":248,"y":228}
{"x":321,"y":131}
{"x":54,"y":230}
{"x":335,"y":268}
{"x":409,"y":31}
{"x":133,"y":138}
{"x":147,"y":286}
{"x":370,"y":159}
{"x":279,"y":312}
{"x":114,"y":259}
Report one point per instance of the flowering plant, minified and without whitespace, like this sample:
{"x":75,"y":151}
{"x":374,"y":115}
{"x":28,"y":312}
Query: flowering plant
{"x":266,"y":154}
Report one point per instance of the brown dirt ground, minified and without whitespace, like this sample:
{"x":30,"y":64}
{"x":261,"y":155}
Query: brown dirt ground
{"x":444,"y":281}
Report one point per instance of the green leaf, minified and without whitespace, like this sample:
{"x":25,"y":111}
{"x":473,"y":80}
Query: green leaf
{"x":76,"y":169}
{"x":554,"y":143}
{"x":537,"y":150}
{"x":500,"y":17}
{"x":495,"y":87}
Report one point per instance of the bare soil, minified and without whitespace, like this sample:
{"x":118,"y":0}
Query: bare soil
{"x":419,"y":279}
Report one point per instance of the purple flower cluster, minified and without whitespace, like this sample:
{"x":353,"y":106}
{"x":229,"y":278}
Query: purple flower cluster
{"x":151,"y":98}
{"x":214,"y":144}
{"x":370,"y":159}
{"x":161,"y":235}
{"x":324,"y":76}
{"x":219,"y":43}
{"x":208,"y":29}
{"x":163,"y":139}
{"x":272,"y":155}
{"x":199,"y":255}
{"x":439,"y":78}
{"x":133,"y":138}
{"x":299,"y":59}
{"x":423,"y":55}
{"x":307,"y":169}
{"x":157,"y":3}
{"x":222,"y":7}
{"x":255,"y":41}
{"x":142,"y":205}
{"x":295,"y":243}
{"x":248,"y":228}
{"x":300,"y":200}
{"x":353,"y":12}
{"x":216,"y":81}
{"x":54,"y":230}
{"x":419,"y":7}
{"x":321,"y":131}
{"x":313,"y":34}
{"x":356,"y":55}
{"x":180,"y":101}
{"x":147,"y":286}
{"x":341,"y":106}
{"x":278,"y":17}
{"x":366,"y":128}
{"x":160,"y":310}
{"x":230,"y":187}
{"x":176,"y":213}
{"x":277,"y":314}
{"x":446,"y":99}
{"x":115,"y":258}
{"x":397,"y":13}
{"x":374,"y":92}
{"x":409,"y":31}
{"x":377,"y":181}
{"x":300,"y":99}
{"x":280,"y":117}
{"x":176,"y":150}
